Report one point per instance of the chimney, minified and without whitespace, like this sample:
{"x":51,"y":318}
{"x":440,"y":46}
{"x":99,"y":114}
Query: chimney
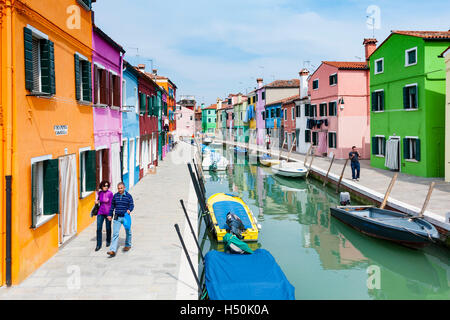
{"x":260,"y":82}
{"x":370,"y":45}
{"x":141,"y":67}
{"x":304,"y":73}
{"x":155,"y":71}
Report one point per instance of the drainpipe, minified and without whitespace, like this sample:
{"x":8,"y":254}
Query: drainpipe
{"x":8,"y":128}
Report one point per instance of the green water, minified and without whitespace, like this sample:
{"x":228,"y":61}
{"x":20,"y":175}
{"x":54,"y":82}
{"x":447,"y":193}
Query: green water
{"x":322,"y":257}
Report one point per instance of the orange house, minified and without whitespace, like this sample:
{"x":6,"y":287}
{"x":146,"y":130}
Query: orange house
{"x":47,"y":129}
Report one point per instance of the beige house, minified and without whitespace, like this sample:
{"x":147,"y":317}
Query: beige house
{"x":446,"y":56}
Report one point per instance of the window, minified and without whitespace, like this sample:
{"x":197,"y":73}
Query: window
{"x":323,"y":110}
{"x":285,"y":114}
{"x":411,"y":148}
{"x":379,"y":146}
{"x":209,"y":120}
{"x":378,"y":100}
{"x":267,"y":114}
{"x":315,"y":138}
{"x":332,"y":142}
{"x":307,"y":110}
{"x":124,"y":156}
{"x":315,"y":84}
{"x":410,"y":97}
{"x":39,"y":62}
{"x":263,"y":95}
{"x":229,"y":101}
{"x":313,"y":110}
{"x":292,"y":113}
{"x":332,"y":108}
{"x":88,"y":173}
{"x":307,"y":135}
{"x":297,"y":111}
{"x":278,"y":113}
{"x":272,"y":113}
{"x":138,"y":145}
{"x":410,"y":57}
{"x":106,"y":87}
{"x":379,"y":66}
{"x":44,"y":189}
{"x":263,"y":113}
{"x":83,"y":78}
{"x":142,"y":103}
{"x":333,"y":79}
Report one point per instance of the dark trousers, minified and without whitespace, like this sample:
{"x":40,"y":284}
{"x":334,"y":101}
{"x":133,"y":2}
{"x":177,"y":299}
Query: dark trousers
{"x":100,"y":219}
{"x":356,"y":168}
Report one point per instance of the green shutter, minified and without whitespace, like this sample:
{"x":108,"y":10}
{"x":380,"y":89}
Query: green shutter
{"x":28,"y":46}
{"x":375,"y":145}
{"x":374,"y":101}
{"x":47,"y":67}
{"x":142,"y":103}
{"x":329,"y":140}
{"x":405,"y":148}
{"x":418,"y":149}
{"x":90,"y":171}
{"x":51,"y":187}
{"x":52,"y":68}
{"x":381,"y":93}
{"x":33,"y":196}
{"x":77,"y":77}
{"x":87,"y":80}
{"x":405,"y":98}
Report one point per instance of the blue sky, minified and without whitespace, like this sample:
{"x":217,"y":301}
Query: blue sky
{"x":211,"y":48}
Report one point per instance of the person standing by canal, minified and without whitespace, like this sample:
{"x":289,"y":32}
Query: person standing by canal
{"x":356,"y":168}
{"x":122,"y":204}
{"x":267,"y":141}
{"x":105,"y":197}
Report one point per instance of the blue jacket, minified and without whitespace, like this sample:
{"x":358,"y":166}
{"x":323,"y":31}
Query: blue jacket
{"x":121,"y":203}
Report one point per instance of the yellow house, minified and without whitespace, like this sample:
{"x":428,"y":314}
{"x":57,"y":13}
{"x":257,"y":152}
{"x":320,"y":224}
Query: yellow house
{"x":46,"y":121}
{"x":446,"y":56}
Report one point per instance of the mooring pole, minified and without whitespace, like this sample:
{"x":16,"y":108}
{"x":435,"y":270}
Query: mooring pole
{"x":342,"y":175}
{"x":310,"y":166}
{"x":427,"y":199}
{"x":177,"y":228}
{"x":307,"y":152}
{"x":388,"y":191}
{"x":292,"y":147}
{"x":200,"y":196}
{"x":192,"y":230}
{"x":329,"y":168}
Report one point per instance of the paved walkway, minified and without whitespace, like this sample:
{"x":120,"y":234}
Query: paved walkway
{"x":155,"y":267}
{"x":408,"y":194}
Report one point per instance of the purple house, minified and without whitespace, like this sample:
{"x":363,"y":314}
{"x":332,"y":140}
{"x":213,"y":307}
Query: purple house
{"x":107,"y":58}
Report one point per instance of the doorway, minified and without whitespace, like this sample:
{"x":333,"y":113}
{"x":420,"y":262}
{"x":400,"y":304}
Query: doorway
{"x":68,"y":198}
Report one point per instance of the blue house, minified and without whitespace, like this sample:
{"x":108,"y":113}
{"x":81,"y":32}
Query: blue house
{"x":130,"y":126}
{"x":273,"y":116}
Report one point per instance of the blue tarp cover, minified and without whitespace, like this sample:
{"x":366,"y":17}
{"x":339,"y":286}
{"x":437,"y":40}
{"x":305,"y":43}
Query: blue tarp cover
{"x":246,"y":277}
{"x":222,"y":208}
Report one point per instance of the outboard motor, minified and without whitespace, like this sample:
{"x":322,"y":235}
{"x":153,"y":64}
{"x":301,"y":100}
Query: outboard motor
{"x":344,"y":198}
{"x":235,"y":224}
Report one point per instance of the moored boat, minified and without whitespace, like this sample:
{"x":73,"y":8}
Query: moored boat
{"x":214,"y":161}
{"x":389,"y":225}
{"x":266,"y":160}
{"x":289,"y":169}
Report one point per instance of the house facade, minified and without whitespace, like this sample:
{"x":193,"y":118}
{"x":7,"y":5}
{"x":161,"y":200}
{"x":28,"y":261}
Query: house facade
{"x":251,"y":117}
{"x":302,"y":106}
{"x":185,"y":122}
{"x":446,"y":56}
{"x":130,"y":126}
{"x":240,"y":126}
{"x":339,"y":116}
{"x":46,"y":124}
{"x":209,"y":119}
{"x":407,"y":86}
{"x":273,"y":118}
{"x":288,"y":123}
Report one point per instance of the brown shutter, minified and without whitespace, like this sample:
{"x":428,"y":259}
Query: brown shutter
{"x":110,"y":89}
{"x":105,"y":165}
{"x":117,"y":91}
{"x":95,"y":100}
{"x":103,"y":88}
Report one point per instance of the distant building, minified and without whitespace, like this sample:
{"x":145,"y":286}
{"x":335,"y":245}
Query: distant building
{"x":209,"y":119}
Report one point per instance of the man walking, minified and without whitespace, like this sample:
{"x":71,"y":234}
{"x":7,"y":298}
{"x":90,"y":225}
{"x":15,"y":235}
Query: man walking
{"x":122,"y":204}
{"x":356,"y":168}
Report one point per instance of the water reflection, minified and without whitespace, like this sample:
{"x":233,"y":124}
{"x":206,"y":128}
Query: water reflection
{"x":322,"y":257}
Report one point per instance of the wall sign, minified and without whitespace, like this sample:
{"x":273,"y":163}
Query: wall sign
{"x":61,"y":130}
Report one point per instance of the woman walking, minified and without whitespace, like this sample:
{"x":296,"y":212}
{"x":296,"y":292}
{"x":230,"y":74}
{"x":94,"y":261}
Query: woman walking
{"x":105,"y":197}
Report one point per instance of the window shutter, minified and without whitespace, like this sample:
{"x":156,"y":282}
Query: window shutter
{"x":90,"y":171}
{"x":28,"y":46}
{"x":418,"y":149}
{"x":405,"y":98}
{"x":381,"y":106}
{"x":45,"y":66}
{"x":87,"y":81}
{"x":52,"y":68}
{"x":51,"y":187}
{"x":329,"y":140}
{"x":77,"y":77}
{"x":107,"y":88}
{"x":105,"y":165}
{"x":142,"y":103}
{"x":95,"y":84}
{"x":306,"y":110}
{"x":33,"y":196}
{"x":374,"y":101}
{"x":116,"y":90}
{"x":405,"y":148}
{"x":413,"y":90}
{"x":375,"y":145}
{"x":149,"y":104}
{"x":103,"y":87}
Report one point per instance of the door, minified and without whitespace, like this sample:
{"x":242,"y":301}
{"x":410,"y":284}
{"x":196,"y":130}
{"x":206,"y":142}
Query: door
{"x":131,"y":164}
{"x":68,"y":197}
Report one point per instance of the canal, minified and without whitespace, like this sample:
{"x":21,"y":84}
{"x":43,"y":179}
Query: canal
{"x":322,"y":257}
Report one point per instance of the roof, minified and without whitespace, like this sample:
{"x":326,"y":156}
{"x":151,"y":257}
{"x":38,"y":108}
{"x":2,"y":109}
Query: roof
{"x":284,"y":100}
{"x":213,"y":106}
{"x":108,"y":39}
{"x":348,"y":65}
{"x":145,"y":76}
{"x":293,"y":83}
{"x":158,"y":77}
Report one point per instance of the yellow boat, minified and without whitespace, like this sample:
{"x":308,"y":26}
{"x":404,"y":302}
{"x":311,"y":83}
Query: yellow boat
{"x":220,"y":204}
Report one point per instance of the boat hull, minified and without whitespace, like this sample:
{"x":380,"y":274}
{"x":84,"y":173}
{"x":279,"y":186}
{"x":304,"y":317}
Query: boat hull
{"x":269,"y":162}
{"x":403,"y":237}
{"x":290,"y":169}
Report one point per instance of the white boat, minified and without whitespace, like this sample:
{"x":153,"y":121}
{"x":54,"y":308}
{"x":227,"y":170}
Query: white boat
{"x":207,"y":140}
{"x":289,"y":169}
{"x":214,"y":161}
{"x":266,"y":160}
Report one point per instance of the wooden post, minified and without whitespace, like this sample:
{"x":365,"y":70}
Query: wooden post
{"x":292,"y":147}
{"x":307,"y":152}
{"x":427,"y":199}
{"x":342,"y":175}
{"x":284,"y":141}
{"x":388,"y":192}
{"x":326,"y":177}
{"x":310,"y":165}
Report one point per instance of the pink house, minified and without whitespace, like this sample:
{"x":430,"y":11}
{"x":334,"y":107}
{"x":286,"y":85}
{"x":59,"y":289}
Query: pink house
{"x":339,"y":110}
{"x":185,"y":121}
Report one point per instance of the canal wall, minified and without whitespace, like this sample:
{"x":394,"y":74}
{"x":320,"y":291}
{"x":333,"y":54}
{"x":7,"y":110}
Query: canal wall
{"x":364,"y":194}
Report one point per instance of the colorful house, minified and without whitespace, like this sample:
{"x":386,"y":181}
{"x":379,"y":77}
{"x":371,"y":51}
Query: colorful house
{"x":273,"y":118}
{"x":107,"y":58}
{"x":288,"y":123}
{"x":209,"y":119}
{"x":407,"y":89}
{"x":240,"y":126}
{"x":339,"y":117}
{"x":130,"y":126}
{"x":150,"y":104}
{"x":251,"y":117}
{"x":446,"y":56}
{"x":185,"y":122}
{"x":302,"y":107}
{"x":47,"y":160}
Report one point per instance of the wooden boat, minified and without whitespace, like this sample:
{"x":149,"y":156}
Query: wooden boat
{"x":266,"y":160}
{"x":289,"y":169}
{"x":220,"y":204}
{"x":240,"y":150}
{"x":389,"y":225}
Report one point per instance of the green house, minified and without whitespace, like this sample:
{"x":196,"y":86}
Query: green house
{"x":240,"y":124}
{"x":209,"y":119}
{"x":407,"y":92}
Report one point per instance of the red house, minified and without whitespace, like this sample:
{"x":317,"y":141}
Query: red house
{"x":288,"y":121}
